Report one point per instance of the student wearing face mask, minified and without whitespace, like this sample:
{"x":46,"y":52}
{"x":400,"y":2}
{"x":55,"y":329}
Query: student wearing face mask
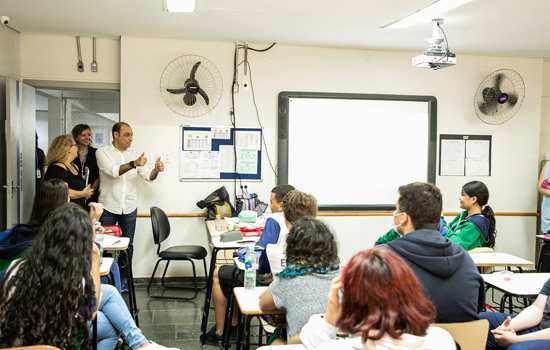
{"x":445,"y":270}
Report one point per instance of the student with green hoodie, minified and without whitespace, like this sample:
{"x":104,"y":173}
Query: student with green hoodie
{"x":472,"y":228}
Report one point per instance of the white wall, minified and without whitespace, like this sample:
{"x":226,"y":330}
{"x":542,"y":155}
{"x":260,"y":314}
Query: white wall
{"x":515,"y":144}
{"x":54,"y":57}
{"x":9,"y":53}
{"x":545,"y":119}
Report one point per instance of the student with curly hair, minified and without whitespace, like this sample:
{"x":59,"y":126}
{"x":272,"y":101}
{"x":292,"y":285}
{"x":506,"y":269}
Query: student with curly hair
{"x":301,"y":287}
{"x":382,"y":307}
{"x":50,"y":296}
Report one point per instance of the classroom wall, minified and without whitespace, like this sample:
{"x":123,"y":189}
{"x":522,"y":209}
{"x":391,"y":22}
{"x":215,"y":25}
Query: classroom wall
{"x":54,"y":57}
{"x":516,"y":143}
{"x":545,"y":117}
{"x":9,"y":53}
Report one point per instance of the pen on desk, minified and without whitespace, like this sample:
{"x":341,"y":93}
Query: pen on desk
{"x":117,"y":241}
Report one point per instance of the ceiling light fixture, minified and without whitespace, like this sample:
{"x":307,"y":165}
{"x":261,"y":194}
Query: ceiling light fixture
{"x":180,"y":5}
{"x":434,"y":10}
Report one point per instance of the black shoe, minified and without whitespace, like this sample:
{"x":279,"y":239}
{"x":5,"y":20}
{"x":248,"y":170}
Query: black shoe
{"x":211,"y":338}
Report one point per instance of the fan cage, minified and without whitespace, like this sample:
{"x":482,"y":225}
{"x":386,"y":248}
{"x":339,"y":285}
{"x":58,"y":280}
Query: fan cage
{"x":174,"y":76}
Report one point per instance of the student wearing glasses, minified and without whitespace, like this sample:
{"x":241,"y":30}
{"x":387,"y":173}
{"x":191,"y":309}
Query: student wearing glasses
{"x":61,"y":153}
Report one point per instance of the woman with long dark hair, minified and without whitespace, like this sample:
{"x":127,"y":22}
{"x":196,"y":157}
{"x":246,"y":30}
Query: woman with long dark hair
{"x":311,"y":263}
{"x":379,"y":302}
{"x":475,"y":226}
{"x":16,"y":242}
{"x":49,"y":297}
{"x":86,"y":161}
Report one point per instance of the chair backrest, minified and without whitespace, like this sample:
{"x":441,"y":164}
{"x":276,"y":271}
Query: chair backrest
{"x":160,"y":225}
{"x":469,"y":335}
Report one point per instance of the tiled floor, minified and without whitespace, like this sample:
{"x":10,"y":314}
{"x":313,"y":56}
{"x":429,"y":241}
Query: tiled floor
{"x":171,"y":323}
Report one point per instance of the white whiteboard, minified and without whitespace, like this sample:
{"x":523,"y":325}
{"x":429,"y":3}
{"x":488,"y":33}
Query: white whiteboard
{"x":357,"y":152}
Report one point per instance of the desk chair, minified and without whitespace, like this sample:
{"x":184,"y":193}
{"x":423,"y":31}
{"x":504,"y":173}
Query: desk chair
{"x":161,"y":231}
{"x":469,"y":335}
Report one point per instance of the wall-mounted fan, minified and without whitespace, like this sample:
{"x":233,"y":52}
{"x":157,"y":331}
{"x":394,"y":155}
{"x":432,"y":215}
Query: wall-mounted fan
{"x":191,"y":85}
{"x":499,"y":96}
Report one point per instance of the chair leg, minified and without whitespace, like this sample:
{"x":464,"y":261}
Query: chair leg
{"x":152,"y":276}
{"x":205,"y":269}
{"x":195,"y":287}
{"x":164,"y":273}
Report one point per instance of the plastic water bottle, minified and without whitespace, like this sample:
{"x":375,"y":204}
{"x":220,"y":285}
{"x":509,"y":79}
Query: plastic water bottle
{"x":250,"y":268}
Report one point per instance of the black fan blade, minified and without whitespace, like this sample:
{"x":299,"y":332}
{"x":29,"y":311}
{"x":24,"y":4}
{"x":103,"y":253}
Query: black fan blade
{"x":194,"y":70}
{"x":489,"y":95}
{"x":189,"y":99}
{"x":512,"y":99}
{"x":204,"y":95}
{"x":498,"y":81}
{"x":177,"y":91}
{"x":487,"y":108}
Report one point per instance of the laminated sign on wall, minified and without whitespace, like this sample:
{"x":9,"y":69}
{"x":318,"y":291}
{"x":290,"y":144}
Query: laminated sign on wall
{"x":209,"y":153}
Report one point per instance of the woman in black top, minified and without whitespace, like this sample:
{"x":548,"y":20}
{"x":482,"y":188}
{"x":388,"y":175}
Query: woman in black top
{"x":86,"y":161}
{"x":62,"y":152}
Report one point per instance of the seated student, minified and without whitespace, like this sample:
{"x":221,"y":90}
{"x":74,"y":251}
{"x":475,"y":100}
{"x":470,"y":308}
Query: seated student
{"x":382,"y":307}
{"x":50,"y":296}
{"x":301,"y":288}
{"x":475,"y":226}
{"x":530,"y":329}
{"x":300,"y":205}
{"x":445,"y":270}
{"x":295,"y":205}
{"x":472,"y":228}
{"x":16,"y":242}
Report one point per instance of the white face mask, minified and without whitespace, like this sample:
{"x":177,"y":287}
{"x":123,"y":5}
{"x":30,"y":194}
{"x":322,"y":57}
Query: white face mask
{"x":397,"y":226}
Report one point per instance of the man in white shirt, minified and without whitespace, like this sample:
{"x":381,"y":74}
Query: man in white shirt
{"x":119,"y":167}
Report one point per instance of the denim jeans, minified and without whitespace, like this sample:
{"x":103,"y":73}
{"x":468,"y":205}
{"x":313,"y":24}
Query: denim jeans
{"x":114,"y":319}
{"x":496,"y":318}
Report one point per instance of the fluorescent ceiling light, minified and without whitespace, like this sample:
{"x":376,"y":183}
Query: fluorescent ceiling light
{"x":426,"y":14}
{"x":180,"y":5}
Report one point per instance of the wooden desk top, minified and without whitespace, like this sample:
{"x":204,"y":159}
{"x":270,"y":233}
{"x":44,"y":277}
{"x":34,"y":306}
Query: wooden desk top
{"x":494,"y":259}
{"x":112,"y":243}
{"x":523,"y":284}
{"x":249,"y":301}
{"x":105,"y":267}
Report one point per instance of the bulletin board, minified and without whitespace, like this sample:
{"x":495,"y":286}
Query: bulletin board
{"x":465,"y":155}
{"x":209,"y":153}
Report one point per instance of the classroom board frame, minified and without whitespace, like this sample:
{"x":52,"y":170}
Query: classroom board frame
{"x":283,"y":133}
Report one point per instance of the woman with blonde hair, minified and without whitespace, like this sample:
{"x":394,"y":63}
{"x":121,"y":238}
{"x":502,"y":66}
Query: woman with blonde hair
{"x":61,"y":153}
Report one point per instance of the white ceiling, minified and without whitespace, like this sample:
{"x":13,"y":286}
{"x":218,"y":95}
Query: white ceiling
{"x":493,"y":27}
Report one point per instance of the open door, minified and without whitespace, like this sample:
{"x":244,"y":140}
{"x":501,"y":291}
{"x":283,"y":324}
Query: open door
{"x":20,"y":151}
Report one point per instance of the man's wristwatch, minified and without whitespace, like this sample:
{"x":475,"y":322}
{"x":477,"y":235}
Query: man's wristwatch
{"x":132,"y":164}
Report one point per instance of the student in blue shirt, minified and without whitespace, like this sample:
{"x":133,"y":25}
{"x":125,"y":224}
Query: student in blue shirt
{"x":222,"y":287}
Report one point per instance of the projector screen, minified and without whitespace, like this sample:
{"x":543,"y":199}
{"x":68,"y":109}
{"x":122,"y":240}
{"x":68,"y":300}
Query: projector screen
{"x":352,"y":151}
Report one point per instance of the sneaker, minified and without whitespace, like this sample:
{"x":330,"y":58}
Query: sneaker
{"x":154,"y":346}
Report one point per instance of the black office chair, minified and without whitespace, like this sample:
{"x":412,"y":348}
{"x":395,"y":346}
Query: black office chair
{"x":161,"y":231}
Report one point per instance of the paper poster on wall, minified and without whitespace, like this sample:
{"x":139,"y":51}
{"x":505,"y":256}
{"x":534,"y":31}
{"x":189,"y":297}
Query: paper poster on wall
{"x":210,"y":152}
{"x":465,"y":155}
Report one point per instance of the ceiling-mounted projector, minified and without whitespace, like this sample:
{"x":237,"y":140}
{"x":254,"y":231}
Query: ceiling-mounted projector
{"x":436,"y":56}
